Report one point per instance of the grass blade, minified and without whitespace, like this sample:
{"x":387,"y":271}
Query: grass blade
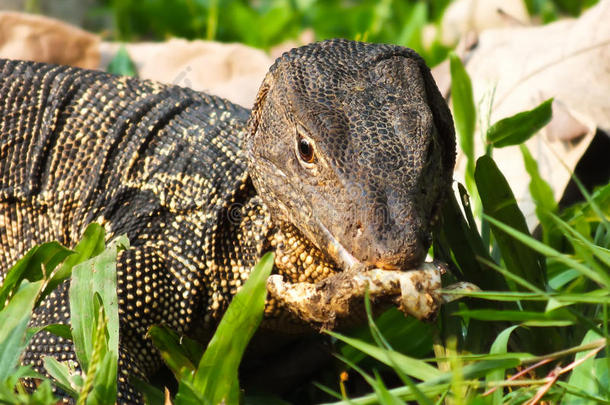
{"x":97,"y":275}
{"x":464,"y":113}
{"x":576,"y":238}
{"x":601,"y":278}
{"x":385,"y":396}
{"x":216,"y":379}
{"x":412,"y":367}
{"x":513,"y":316}
{"x":541,"y":193}
{"x":395,"y":327}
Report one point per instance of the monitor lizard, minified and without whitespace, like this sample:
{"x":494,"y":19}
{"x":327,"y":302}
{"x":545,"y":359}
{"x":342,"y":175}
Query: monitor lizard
{"x":340,"y":167}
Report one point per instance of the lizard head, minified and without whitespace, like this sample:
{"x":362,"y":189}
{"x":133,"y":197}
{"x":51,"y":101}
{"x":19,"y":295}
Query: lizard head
{"x":352,"y":144}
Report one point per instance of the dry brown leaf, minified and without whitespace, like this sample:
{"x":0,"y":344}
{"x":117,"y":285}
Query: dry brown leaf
{"x":463,"y":16}
{"x":518,"y":68}
{"x":42,"y":39}
{"x":233,"y":71}
{"x":306,"y":37}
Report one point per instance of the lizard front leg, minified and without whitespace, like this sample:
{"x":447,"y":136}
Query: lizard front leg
{"x":148,"y":294}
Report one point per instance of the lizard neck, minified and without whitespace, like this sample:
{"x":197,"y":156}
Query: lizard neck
{"x":234,"y":244}
{"x":296,"y":258}
{"x":246,"y":222}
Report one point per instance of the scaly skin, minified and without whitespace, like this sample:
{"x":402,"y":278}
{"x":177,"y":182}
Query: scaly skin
{"x":202,"y":193}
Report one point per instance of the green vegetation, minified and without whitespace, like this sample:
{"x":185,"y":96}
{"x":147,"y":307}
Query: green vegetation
{"x":399,"y":22}
{"x":94,"y":329}
{"x":551,"y":10}
{"x":395,"y":21}
{"x":538,"y":329}
{"x":94,"y":325}
{"x":215,"y":380}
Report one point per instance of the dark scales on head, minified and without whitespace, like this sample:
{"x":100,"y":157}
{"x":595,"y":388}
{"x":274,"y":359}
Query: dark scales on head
{"x":342,"y":166}
{"x":383,"y":151}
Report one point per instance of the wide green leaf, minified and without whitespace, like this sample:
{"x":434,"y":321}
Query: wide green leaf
{"x":175,"y":355}
{"x":499,"y":202}
{"x":57,"y":329}
{"x":104,"y":387}
{"x":520,"y":127}
{"x":464,"y":113}
{"x":14,"y":319}
{"x":97,"y":275}
{"x":584,"y":377}
{"x":37,"y":264}
{"x":61,"y":374}
{"x":464,"y":241}
{"x":189,"y":395}
{"x":92,"y":243}
{"x":499,"y":346}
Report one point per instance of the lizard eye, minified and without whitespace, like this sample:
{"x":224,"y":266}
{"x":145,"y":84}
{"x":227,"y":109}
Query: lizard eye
{"x":305,"y":150}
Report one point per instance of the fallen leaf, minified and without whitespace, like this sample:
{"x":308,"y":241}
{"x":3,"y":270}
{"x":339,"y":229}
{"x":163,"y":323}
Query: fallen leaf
{"x":515,"y":69}
{"x":233,"y":71}
{"x":43,"y":39}
{"x":463,"y":16}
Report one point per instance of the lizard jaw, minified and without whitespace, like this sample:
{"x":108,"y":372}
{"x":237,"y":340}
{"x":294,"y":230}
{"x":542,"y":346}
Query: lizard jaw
{"x":344,"y":259}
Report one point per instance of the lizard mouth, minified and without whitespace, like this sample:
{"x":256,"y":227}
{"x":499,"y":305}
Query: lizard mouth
{"x":348,"y":261}
{"x":339,"y":253}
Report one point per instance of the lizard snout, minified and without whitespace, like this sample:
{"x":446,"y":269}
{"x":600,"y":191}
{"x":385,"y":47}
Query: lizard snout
{"x":393,"y":249}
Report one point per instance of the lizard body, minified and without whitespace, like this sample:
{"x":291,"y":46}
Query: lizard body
{"x":341,"y":165}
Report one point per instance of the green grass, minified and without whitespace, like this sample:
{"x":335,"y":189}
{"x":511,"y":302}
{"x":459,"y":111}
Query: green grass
{"x":276,"y":21}
{"x":94,"y":329}
{"x":393,"y":21}
{"x":94,"y":319}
